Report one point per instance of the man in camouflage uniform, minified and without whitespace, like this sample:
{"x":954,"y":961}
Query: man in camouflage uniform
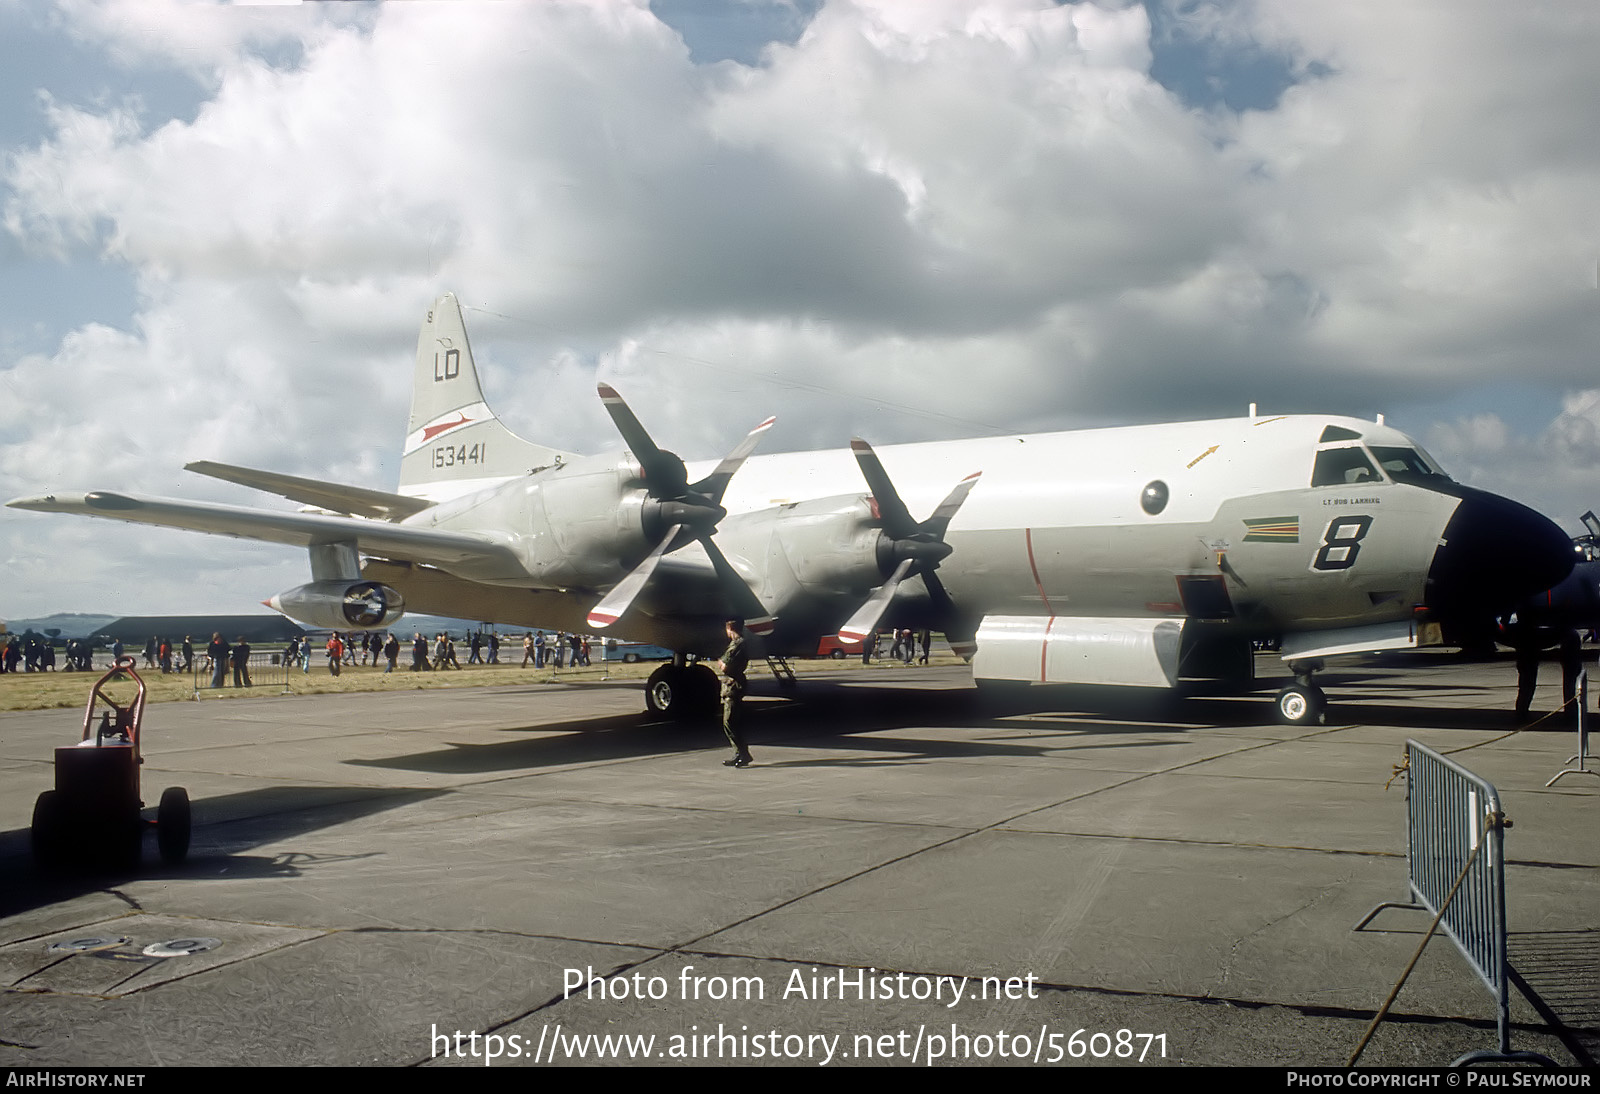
{"x":732,"y":665}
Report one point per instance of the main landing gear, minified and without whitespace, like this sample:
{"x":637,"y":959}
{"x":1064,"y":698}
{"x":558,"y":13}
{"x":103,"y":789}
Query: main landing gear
{"x":681,"y":690}
{"x":1302,"y":703}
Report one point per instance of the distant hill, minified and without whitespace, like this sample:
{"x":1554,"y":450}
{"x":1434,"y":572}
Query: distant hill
{"x":66,"y":624}
{"x":261,"y":628}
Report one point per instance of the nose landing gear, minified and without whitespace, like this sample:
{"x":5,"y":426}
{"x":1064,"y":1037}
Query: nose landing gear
{"x":1302,"y":703}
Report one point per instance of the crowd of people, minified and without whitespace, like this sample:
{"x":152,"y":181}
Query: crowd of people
{"x":555,"y":649}
{"x":348,"y":650}
{"x":903,"y":648}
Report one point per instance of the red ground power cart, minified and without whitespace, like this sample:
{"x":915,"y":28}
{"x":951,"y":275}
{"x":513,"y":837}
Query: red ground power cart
{"x":94,"y":815}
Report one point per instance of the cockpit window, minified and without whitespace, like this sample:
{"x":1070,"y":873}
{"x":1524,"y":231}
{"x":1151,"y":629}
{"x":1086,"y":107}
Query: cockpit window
{"x":1338,"y":433}
{"x":1342,"y":466}
{"x":1409,"y":465}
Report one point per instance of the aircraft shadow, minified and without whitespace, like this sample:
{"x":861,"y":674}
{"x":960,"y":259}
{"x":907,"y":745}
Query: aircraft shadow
{"x":224,"y":828}
{"x":561,"y":745}
{"x":826,"y":711}
{"x":831,"y":710}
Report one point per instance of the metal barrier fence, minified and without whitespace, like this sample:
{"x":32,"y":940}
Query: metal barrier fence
{"x":1581,"y":703}
{"x":262,"y":670}
{"x":1455,"y":857}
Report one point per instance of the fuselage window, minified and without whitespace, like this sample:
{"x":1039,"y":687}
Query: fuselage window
{"x":1409,"y":465}
{"x":1343,"y":466}
{"x":1153,"y":498}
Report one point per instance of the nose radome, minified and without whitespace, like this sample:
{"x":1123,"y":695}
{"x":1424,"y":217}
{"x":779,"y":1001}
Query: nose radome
{"x":1493,"y":553}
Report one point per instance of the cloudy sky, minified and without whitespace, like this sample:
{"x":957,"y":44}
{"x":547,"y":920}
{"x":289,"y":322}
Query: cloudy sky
{"x":222,"y":225}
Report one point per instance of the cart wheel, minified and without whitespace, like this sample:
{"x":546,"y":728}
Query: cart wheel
{"x":49,"y":831}
{"x":172,"y":825}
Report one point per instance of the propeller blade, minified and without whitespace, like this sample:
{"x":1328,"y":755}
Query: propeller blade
{"x":943,"y":607}
{"x":663,"y":471}
{"x":865,"y":621}
{"x":963,"y":641}
{"x":920,"y":547}
{"x":745,"y":603}
{"x":937,"y":524}
{"x":617,"y":601}
{"x":959,"y":631}
{"x":897,"y":522}
{"x":713,"y":485}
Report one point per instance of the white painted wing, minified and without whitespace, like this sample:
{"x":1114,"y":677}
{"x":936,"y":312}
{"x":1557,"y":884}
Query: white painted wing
{"x":455,"y":551}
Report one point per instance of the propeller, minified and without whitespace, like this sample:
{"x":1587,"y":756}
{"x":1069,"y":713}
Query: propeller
{"x":918,"y":547}
{"x":690,"y":512}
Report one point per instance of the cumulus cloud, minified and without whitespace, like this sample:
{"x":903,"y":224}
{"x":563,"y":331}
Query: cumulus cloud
{"x":1556,"y":469}
{"x":906,"y":220}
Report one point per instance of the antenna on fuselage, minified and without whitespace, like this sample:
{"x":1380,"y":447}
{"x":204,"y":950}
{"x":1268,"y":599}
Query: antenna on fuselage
{"x":1252,"y":412}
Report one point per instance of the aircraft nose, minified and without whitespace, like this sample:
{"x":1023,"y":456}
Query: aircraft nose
{"x":1493,"y":553}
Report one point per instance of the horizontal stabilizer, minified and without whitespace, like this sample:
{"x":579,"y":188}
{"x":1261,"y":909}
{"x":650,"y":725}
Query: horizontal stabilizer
{"x":358,"y":501}
{"x":466,"y":554}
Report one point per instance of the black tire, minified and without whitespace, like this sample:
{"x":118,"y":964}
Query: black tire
{"x":1299,"y":705}
{"x":837,"y":655}
{"x":173,"y":825}
{"x":664,"y":692}
{"x":705,"y":690}
{"x":49,"y":833}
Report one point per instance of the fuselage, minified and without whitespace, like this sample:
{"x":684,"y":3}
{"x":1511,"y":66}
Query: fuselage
{"x":1275,"y":524}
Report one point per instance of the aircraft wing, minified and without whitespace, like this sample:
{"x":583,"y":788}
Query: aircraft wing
{"x":452,"y":550}
{"x":354,"y":500}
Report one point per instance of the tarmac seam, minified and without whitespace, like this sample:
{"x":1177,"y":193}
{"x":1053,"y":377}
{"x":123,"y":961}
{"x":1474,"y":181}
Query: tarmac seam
{"x":1164,"y":771}
{"x":1233,"y":951}
{"x":685,"y":946}
{"x":1215,"y":843}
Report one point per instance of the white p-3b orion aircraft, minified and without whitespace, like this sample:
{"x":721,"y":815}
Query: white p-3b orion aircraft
{"x":1137,"y":556}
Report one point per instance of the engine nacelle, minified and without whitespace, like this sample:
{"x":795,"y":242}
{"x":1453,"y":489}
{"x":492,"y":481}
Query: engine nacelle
{"x":342,"y":605}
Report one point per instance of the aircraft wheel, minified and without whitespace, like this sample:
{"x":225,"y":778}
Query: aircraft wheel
{"x":49,"y":832}
{"x":664,"y":691}
{"x":173,"y":825}
{"x":1301,"y":705}
{"x":837,"y":655}
{"x":704,"y":690}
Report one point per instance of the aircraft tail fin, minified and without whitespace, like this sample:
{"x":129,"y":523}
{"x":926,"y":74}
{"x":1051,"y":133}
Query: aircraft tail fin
{"x":454,"y":442}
